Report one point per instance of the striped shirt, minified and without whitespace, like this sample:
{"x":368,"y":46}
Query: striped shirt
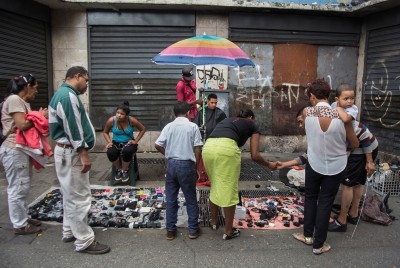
{"x":69,"y":122}
{"x":368,"y":142}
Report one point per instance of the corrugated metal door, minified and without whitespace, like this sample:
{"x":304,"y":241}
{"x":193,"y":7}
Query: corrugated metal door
{"x":24,"y":50}
{"x":381,"y":92}
{"x":121,"y":70}
{"x":293,"y":28}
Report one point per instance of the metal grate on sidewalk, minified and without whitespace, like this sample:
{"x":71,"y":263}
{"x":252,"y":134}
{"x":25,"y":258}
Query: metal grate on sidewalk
{"x":153,"y":169}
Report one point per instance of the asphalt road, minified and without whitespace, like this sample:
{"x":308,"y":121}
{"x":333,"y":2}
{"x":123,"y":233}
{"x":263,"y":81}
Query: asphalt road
{"x":372,"y":245}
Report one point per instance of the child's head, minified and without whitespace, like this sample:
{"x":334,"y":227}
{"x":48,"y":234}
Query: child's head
{"x":345,"y":95}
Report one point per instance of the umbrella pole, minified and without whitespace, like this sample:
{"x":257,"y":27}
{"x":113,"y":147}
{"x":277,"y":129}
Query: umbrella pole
{"x":204,"y":99}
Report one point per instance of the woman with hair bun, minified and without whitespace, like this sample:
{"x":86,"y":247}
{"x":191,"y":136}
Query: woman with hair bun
{"x":222,"y":158}
{"x":17,"y":164}
{"x":123,"y":142}
{"x":327,"y":158}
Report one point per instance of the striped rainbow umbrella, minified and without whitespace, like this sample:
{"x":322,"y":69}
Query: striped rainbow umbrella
{"x":203,"y":50}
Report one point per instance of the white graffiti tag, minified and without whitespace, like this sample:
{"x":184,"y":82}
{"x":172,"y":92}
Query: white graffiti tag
{"x":377,"y":90}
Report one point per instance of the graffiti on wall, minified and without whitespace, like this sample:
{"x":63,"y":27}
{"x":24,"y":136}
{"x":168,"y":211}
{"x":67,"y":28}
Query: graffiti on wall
{"x":252,"y":91}
{"x":379,"y":91}
{"x":215,"y":76}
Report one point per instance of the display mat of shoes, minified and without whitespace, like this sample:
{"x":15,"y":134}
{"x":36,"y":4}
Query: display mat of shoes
{"x":270,"y":212}
{"x":258,"y":197}
{"x":132,"y":207}
{"x":127,"y":207}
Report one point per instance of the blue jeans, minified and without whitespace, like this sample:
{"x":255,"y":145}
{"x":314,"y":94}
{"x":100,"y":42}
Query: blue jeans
{"x":181,"y":174}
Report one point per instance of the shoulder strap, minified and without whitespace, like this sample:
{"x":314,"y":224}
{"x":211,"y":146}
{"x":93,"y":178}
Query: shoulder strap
{"x":190,"y":85}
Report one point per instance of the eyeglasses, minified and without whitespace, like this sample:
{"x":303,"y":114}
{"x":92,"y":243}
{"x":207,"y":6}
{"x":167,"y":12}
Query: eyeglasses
{"x":86,"y":77}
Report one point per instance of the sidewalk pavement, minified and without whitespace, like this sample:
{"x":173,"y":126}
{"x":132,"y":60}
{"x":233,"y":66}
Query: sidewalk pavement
{"x":372,"y":245}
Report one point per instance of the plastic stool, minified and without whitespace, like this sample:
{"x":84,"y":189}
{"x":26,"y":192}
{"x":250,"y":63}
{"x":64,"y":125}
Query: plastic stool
{"x":133,"y":173}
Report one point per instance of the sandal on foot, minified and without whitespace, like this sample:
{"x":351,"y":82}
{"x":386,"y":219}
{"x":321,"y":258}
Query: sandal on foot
{"x":302,"y":238}
{"x":325,"y":248}
{"x":235,"y":233}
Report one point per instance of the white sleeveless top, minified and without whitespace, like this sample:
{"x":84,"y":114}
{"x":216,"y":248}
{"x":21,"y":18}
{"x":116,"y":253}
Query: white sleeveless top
{"x":326,"y":150}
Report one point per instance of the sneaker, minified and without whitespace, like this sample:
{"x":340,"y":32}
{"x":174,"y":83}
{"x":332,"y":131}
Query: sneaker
{"x":336,"y":226}
{"x":118,"y":175}
{"x":27,"y":229}
{"x":96,"y":248}
{"x":325,"y":248}
{"x":352,"y":220}
{"x":68,"y":239}
{"x":235,"y":233}
{"x":171,"y":235}
{"x":124,"y":176}
{"x":195,"y":234}
{"x":34,"y":222}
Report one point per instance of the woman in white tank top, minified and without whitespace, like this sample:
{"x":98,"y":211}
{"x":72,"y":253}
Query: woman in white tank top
{"x":326,"y":137}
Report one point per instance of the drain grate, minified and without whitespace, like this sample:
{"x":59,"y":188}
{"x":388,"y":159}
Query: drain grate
{"x":151,"y":161}
{"x":251,"y":171}
{"x":204,"y":209}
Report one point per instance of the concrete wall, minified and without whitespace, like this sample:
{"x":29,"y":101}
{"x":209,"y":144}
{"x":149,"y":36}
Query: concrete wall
{"x":70,"y":45}
{"x":274,"y":89}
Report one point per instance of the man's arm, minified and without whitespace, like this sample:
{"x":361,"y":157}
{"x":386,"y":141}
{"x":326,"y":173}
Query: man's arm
{"x":85,"y":159}
{"x":369,"y":165}
{"x":160,"y":149}
{"x":180,"y":88}
{"x":351,"y":135}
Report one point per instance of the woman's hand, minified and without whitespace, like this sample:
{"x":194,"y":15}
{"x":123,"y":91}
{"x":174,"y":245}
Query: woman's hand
{"x":132,"y":142}
{"x":44,"y":112}
{"x":109,"y":145}
{"x":272,"y":165}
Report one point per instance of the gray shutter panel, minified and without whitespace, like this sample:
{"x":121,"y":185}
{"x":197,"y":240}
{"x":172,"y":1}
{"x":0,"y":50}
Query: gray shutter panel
{"x":121,"y":70}
{"x":381,"y":92}
{"x":23,"y":50}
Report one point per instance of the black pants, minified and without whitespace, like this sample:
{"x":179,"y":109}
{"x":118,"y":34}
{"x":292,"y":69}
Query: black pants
{"x":320,"y":192}
{"x":124,"y":149}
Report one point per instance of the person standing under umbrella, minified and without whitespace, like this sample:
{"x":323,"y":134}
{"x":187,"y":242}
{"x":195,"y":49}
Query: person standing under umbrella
{"x":186,"y":91}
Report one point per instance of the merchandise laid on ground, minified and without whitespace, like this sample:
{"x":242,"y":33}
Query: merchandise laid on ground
{"x":131,"y":207}
{"x":270,"y":212}
{"x":111,"y":207}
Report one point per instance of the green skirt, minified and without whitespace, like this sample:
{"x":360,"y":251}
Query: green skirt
{"x":222,"y":158}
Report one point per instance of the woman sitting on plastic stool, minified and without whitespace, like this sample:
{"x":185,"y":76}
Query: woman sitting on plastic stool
{"x":123,"y":142}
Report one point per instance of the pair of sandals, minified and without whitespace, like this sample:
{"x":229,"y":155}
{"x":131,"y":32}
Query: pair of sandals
{"x":309,"y":241}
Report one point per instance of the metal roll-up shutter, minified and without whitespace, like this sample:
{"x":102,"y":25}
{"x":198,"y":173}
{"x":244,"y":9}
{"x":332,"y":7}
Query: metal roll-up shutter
{"x":381,"y":92}
{"x":121,"y":70}
{"x":294,"y":28}
{"x":23,"y":46}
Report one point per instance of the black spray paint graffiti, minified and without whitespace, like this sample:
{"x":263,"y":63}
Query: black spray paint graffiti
{"x":376,"y":88}
{"x":213,"y":74}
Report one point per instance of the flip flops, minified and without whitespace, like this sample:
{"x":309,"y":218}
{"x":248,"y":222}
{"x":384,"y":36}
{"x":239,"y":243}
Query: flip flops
{"x":306,"y":240}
